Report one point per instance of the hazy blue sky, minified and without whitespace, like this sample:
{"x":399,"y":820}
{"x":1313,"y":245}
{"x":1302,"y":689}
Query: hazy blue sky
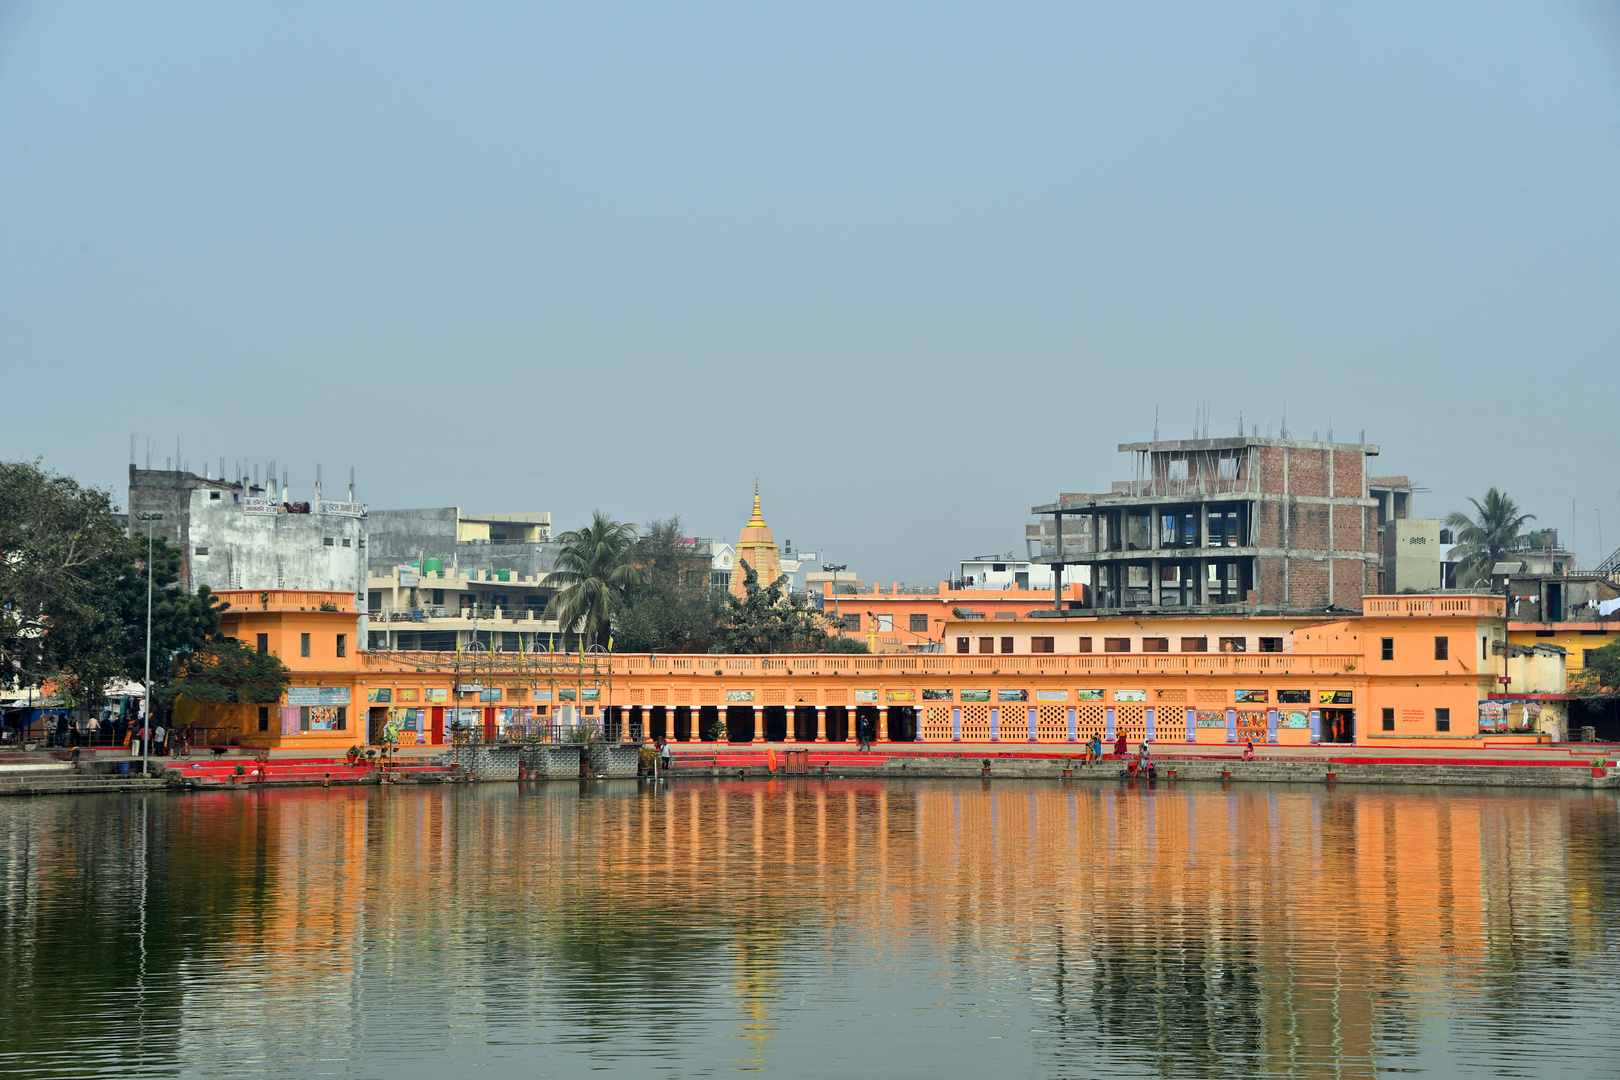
{"x":916,"y":268}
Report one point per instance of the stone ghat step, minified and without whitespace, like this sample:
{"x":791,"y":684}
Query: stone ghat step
{"x":308,"y":772}
{"x":70,"y":785}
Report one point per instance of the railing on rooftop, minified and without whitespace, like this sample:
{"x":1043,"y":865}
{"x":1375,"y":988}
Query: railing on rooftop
{"x":765,"y":668}
{"x":1479,"y":605}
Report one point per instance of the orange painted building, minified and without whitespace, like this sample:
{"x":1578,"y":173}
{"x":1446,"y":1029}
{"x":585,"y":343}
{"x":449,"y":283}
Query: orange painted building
{"x":896,"y":620}
{"x":1411,"y":671}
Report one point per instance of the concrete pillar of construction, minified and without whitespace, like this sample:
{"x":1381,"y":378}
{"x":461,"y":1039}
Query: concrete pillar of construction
{"x":821,"y":724}
{"x":759,"y":723}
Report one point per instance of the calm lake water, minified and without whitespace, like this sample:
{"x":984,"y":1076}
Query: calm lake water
{"x":801,"y":927}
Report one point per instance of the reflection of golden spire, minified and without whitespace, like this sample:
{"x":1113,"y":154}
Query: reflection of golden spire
{"x":754,"y":975}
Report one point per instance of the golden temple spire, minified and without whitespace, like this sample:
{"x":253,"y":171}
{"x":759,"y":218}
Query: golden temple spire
{"x":758,"y":519}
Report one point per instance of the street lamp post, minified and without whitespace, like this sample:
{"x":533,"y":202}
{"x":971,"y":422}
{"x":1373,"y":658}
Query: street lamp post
{"x":835,"y":567}
{"x":146,"y":720}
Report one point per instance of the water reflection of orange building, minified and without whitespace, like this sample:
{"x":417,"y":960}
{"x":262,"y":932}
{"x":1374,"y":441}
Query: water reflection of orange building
{"x":1194,"y":922}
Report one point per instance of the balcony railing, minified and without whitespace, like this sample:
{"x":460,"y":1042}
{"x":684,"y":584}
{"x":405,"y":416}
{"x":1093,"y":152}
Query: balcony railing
{"x":774,"y":667}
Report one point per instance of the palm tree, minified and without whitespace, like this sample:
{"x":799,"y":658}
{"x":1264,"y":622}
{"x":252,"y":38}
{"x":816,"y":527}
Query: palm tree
{"x":1482,"y":541}
{"x":594,"y":567}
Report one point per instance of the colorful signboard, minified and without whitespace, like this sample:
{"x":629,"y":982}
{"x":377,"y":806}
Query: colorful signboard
{"x":1335,"y":697}
{"x":1253,"y":697}
{"x":1211,"y":718}
{"x":900,"y":695}
{"x":739,"y":695}
{"x":936,"y":695}
{"x":866,"y":696}
{"x":1293,"y":697}
{"x":1130,"y":695}
{"x":1012,"y":695}
{"x":1051,"y":695}
{"x":380,"y":695}
{"x":1088,"y":695}
{"x":972,"y":695}
{"x":317,"y":695}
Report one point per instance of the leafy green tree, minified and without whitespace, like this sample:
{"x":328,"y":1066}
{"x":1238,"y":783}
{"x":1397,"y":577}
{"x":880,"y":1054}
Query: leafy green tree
{"x":673,"y":608}
{"x":73,"y":590}
{"x":596,"y":568}
{"x":770,"y":619}
{"x":58,"y":546}
{"x":227,"y":672}
{"x":1495,"y":531}
{"x":1600,"y":678}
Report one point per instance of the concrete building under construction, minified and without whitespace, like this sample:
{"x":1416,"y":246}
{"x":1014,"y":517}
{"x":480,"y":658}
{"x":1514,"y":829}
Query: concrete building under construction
{"x":1211,"y":525}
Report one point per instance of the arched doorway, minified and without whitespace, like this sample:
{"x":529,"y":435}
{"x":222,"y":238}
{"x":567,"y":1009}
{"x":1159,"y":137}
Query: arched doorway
{"x":708,"y":718}
{"x":837,"y":723}
{"x":739,"y":723}
{"x":872,"y":716}
{"x":776,"y":723}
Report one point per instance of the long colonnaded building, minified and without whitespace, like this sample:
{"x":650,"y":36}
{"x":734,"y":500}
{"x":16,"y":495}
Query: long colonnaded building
{"x":1411,"y":671}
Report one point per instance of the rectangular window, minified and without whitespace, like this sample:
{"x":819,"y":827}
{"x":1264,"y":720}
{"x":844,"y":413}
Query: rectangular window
{"x":1586,"y":657}
{"x":885,"y":623}
{"x":342,"y":721}
{"x":264,"y":718}
{"x":1006,"y":644}
{"x":987,"y":645}
{"x":1195,"y":644}
{"x":852,"y":624}
{"x":347,"y":542}
{"x":264,"y":643}
{"x":1388,"y":649}
{"x":1442,"y":719}
{"x":962,"y":645}
{"x":343,"y":644}
{"x":1389,"y":719}
{"x":1155,"y":644}
{"x":303,"y":645}
{"x":1085,"y":644}
{"x":1484,"y":648}
{"x":1042,"y":645}
{"x":1116,"y":644}
{"x":1234,"y":644}
{"x":1442,"y":648}
{"x":438,"y":596}
{"x":919,"y":624}
{"x":202,"y":551}
{"x":303,"y":718}
{"x":327,"y":541}
{"x":1271,"y":644}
